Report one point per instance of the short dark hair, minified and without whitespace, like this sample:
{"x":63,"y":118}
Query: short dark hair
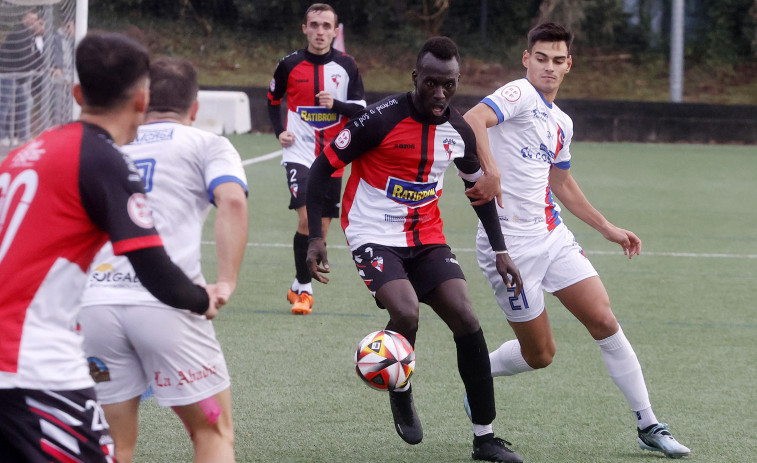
{"x":441,"y":47}
{"x":320,"y":7}
{"x":173,"y":85}
{"x":109,"y":66}
{"x":550,"y":32}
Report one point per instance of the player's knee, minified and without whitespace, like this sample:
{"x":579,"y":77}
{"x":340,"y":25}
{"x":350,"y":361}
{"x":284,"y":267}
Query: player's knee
{"x":405,"y":321}
{"x":603,"y":326}
{"x":541,"y":358}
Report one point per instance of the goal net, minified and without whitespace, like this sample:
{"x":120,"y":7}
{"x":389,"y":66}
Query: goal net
{"x":37,"y":72}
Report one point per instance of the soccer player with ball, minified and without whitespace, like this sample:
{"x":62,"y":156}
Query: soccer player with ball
{"x":529,"y":138}
{"x":400,"y":149}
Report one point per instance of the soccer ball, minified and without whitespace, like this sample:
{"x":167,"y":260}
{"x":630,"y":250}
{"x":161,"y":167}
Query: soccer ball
{"x":385,"y":360}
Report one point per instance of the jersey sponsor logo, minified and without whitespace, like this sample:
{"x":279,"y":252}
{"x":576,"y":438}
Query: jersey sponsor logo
{"x":342,"y":140}
{"x":411,"y":194}
{"x":152,"y":136}
{"x":511,"y":93}
{"x":449,"y":146}
{"x":104,"y":276}
{"x":139,"y":211}
{"x":543,"y":154}
{"x":541,"y":115}
{"x":318,"y":116}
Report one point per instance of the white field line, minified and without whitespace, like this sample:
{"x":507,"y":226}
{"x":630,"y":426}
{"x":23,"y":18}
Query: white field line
{"x":275,"y":154}
{"x":589,"y":253}
{"x":262,"y":158}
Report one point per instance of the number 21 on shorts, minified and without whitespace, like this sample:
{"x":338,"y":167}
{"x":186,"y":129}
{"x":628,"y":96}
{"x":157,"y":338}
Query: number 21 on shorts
{"x":517,"y":303}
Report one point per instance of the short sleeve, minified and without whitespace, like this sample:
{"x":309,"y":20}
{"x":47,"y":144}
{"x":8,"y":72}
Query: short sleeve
{"x":222,"y":165}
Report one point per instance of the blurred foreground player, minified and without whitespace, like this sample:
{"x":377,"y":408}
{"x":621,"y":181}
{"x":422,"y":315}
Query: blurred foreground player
{"x":63,"y":195}
{"x":185,"y":170}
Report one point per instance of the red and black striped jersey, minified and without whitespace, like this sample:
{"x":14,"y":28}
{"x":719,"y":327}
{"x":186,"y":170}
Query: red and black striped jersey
{"x":299,"y":77}
{"x":399,"y":158}
{"x":62,"y":196}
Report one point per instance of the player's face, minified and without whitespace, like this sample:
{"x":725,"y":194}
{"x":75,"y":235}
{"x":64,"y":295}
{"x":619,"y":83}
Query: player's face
{"x":320,"y":31}
{"x":435,"y":84}
{"x":546,"y":65}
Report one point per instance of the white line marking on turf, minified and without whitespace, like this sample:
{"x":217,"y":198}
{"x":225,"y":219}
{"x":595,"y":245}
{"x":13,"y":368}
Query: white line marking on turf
{"x":604,"y":253}
{"x":262,"y":158}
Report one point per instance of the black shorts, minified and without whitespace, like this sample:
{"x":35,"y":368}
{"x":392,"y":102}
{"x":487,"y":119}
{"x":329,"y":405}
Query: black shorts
{"x":297,"y":180}
{"x":426,"y":267}
{"x":43,"y":426}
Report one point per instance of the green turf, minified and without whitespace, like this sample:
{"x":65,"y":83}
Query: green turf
{"x":686,"y":304}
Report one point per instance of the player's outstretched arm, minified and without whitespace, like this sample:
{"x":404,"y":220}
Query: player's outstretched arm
{"x":231,"y":237}
{"x":565,"y":187}
{"x":317,"y":259}
{"x":488,"y":187}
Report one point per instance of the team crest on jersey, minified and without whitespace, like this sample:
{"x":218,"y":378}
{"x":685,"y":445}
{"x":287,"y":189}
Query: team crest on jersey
{"x":272,"y":85}
{"x":336,"y":78}
{"x":411,"y":194}
{"x":139,"y":211}
{"x":342,"y":140}
{"x":378,"y":263}
{"x":511,"y":93}
{"x":318,"y":117}
{"x":449,"y":146}
{"x":294,"y":188}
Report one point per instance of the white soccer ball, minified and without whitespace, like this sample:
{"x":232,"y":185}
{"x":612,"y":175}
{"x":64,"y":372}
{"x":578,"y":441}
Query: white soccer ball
{"x":385,"y":360}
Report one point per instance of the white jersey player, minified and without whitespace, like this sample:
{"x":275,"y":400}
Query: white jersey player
{"x":185,"y":171}
{"x":529,"y":138}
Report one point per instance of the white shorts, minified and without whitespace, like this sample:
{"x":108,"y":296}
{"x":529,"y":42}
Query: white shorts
{"x":131,"y":348}
{"x":548,"y":262}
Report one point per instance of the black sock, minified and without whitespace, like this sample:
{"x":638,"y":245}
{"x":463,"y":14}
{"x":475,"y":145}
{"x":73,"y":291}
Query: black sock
{"x":475,"y":371}
{"x":300,"y":257}
{"x":478,"y":440}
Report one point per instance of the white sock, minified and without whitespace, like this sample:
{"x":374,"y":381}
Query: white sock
{"x":482,"y":429}
{"x":508,"y":360}
{"x":306,"y":288}
{"x":645,"y":418}
{"x":298,"y":287}
{"x":625,"y":371}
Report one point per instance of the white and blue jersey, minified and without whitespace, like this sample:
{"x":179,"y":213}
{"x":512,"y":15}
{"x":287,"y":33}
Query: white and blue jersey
{"x":180,"y":167}
{"x":531,"y":137}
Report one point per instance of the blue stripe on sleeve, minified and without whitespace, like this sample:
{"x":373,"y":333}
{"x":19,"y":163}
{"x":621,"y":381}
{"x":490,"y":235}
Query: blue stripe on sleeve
{"x":224,"y":179}
{"x":488,"y":102}
{"x":565,"y":165}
